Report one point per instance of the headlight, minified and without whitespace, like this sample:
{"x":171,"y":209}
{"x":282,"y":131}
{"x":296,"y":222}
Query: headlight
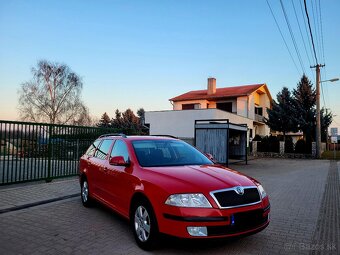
{"x":188,"y":200}
{"x":262,"y":192}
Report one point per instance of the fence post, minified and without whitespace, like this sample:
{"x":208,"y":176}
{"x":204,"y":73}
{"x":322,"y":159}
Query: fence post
{"x":254,"y":148}
{"x":314,"y":149}
{"x":49,"y":160}
{"x":282,"y":147}
{"x":77,"y":153}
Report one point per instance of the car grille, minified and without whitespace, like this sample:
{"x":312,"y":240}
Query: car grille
{"x":229,"y":198}
{"x":241,"y":222}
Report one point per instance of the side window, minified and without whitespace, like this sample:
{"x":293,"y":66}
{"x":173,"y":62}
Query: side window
{"x":103,"y":149}
{"x":90,"y":151}
{"x":120,"y":149}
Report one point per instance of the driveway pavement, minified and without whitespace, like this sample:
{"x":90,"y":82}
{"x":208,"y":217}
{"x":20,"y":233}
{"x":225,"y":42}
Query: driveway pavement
{"x":19,"y":196}
{"x":304,"y":217}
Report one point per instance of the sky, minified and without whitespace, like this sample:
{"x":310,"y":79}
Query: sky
{"x":133,"y":54}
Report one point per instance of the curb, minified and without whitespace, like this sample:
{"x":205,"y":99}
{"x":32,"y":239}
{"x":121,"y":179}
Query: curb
{"x":20,"y":207}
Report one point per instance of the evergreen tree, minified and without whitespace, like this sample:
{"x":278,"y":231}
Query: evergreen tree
{"x":282,"y":116}
{"x":141,"y":115}
{"x":117,"y":121}
{"x":326,"y":118}
{"x":126,"y":122}
{"x":305,"y":100}
{"x":104,"y":121}
{"x":130,"y":120}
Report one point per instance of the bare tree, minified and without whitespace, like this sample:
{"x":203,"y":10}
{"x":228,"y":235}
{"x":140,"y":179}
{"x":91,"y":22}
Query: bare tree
{"x":53,"y":95}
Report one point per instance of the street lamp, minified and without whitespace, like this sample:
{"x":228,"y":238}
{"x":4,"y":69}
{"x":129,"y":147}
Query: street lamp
{"x":330,"y":80}
{"x":318,"y":119}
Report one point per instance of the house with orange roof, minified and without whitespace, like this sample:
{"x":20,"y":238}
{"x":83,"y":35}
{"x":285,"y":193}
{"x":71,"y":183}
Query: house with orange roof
{"x":245,"y":104}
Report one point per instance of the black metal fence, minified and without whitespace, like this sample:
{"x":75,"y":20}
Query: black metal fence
{"x":36,"y":151}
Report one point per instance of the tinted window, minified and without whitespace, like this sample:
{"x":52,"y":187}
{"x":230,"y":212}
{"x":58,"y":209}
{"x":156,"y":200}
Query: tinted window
{"x":120,"y":149}
{"x":90,"y":151}
{"x":167,"y":153}
{"x":103,"y":149}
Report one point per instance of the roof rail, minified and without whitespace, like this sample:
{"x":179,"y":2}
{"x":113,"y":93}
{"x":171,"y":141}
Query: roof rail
{"x":113,"y":134}
{"x":171,"y":136}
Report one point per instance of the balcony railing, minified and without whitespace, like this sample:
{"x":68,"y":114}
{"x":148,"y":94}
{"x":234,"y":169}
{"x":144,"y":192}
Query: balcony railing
{"x":259,"y":118}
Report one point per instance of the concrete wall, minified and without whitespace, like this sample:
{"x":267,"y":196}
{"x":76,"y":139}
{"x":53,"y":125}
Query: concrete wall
{"x":251,"y":107}
{"x":262,"y":130}
{"x":181,"y":123}
{"x":242,"y":106}
{"x":202,"y":103}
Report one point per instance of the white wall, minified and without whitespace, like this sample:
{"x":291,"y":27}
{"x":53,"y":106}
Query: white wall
{"x":251,"y":107}
{"x":181,"y":123}
{"x":178,"y":105}
{"x":242,"y":106}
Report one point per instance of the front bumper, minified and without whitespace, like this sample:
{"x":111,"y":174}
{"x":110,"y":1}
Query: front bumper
{"x":219,"y":222}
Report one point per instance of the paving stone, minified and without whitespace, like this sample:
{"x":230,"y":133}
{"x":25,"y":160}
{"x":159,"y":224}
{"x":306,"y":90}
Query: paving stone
{"x":296,"y":189}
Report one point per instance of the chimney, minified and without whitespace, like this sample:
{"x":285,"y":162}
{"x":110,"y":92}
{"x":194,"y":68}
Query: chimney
{"x":211,"y":86}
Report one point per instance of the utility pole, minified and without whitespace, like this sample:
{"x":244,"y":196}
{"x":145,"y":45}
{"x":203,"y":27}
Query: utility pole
{"x":318,"y":117}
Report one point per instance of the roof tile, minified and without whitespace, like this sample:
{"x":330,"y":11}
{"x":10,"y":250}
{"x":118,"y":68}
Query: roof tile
{"x":220,"y":93}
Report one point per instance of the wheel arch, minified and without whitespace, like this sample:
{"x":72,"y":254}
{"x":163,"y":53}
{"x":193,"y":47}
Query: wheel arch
{"x":138,"y":196}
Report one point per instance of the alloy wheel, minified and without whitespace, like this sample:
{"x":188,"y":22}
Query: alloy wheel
{"x":85,"y":192}
{"x":142,"y":223}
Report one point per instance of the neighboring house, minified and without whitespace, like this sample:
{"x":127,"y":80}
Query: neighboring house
{"x":240,"y":105}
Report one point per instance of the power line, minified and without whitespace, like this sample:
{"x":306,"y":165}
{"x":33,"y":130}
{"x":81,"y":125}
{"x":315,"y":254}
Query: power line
{"x":323,"y":57}
{"x":322,"y":42}
{"x":277,"y":24}
{"x":306,"y":29}
{"x":310,"y":31}
{"x":292,"y":36}
{"x":323,"y":94}
{"x":316,"y":26}
{"x":303,"y":39}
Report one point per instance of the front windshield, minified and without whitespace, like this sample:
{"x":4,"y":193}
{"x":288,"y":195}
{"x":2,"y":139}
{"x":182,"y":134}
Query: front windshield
{"x":152,"y":153}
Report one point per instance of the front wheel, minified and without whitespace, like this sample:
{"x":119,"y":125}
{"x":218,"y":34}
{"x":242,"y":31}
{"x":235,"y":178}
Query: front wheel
{"x":85,"y":194}
{"x":144,"y":225}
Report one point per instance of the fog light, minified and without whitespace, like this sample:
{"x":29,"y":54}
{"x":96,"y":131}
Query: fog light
{"x":197,"y":231}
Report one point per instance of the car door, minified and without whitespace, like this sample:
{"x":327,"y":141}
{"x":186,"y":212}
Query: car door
{"x":120,"y":181}
{"x":88,"y":165}
{"x":100,"y":168}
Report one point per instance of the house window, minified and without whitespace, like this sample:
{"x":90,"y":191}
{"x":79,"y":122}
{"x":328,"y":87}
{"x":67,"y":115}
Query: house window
{"x":228,"y":107}
{"x":190,"y":106}
{"x":259,"y":111}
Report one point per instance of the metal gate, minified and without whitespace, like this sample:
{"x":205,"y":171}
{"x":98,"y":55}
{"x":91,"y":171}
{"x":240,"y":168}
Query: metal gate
{"x":36,"y":151}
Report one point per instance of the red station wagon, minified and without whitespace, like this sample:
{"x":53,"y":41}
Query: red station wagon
{"x":164,"y":185}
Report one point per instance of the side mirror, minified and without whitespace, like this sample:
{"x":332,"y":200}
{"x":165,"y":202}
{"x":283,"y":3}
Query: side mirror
{"x":119,"y":161}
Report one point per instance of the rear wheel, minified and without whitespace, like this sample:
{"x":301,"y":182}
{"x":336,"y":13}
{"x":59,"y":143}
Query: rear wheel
{"x":85,"y":193}
{"x":144,"y":225}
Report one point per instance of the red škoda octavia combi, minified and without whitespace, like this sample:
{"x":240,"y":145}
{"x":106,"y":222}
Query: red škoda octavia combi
{"x":164,"y":185}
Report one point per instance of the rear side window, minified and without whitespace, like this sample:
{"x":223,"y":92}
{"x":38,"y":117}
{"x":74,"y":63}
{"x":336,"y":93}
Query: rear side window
{"x":120,"y":149}
{"x":90,"y":151}
{"x":103,"y":149}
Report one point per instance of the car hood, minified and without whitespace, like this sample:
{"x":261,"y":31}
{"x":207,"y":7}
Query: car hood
{"x":193,"y":178}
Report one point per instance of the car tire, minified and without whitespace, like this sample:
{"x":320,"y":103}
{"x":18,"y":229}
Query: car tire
{"x":144,"y":225}
{"x":85,"y":193}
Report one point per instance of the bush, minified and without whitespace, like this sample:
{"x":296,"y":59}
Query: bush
{"x":269,"y":144}
{"x":289,"y":145}
{"x":257,"y":138}
{"x":302,"y":147}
